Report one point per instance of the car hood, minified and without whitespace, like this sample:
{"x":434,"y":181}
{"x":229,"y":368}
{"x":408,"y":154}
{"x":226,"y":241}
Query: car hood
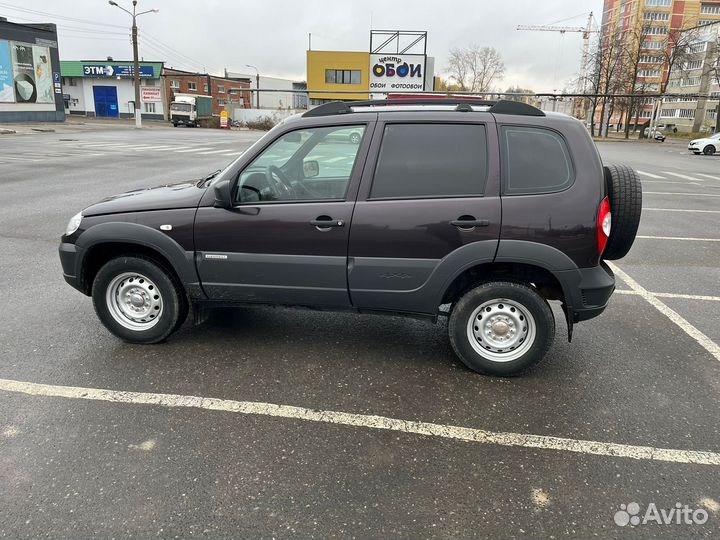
{"x":166,"y":197}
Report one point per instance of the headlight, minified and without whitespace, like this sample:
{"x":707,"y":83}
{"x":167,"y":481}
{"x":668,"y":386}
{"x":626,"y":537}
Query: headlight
{"x":73,"y":224}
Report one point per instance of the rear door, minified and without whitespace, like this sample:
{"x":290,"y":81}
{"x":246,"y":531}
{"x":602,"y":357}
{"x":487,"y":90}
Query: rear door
{"x":429,"y":200}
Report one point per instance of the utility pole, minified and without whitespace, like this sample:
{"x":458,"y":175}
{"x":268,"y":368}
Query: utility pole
{"x":136,"y":61}
{"x":257,"y":85}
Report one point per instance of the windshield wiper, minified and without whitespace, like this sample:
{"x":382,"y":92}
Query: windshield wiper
{"x":209,"y":177}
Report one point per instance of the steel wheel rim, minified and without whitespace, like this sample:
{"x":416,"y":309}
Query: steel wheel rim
{"x":134,"y":301}
{"x":501,"y":330}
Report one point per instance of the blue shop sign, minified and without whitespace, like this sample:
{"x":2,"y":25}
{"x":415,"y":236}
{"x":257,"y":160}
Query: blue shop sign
{"x":124,"y":71}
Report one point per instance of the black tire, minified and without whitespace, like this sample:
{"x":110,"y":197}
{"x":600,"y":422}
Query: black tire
{"x":709,"y":150}
{"x":175,"y":124}
{"x":173,"y":304}
{"x":625,"y":195}
{"x":515,"y":295}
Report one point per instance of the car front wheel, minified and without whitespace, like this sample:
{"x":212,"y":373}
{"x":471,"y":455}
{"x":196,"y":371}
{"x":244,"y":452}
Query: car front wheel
{"x":501,"y":328}
{"x":138,"y":300}
{"x":709,"y":150}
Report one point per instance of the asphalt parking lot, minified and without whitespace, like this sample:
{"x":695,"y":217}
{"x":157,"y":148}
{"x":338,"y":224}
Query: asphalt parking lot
{"x":278,"y":423}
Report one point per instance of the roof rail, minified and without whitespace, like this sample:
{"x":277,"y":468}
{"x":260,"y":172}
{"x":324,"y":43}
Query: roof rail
{"x":462,"y":105}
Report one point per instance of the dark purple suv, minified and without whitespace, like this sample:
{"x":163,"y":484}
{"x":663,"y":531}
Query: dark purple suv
{"x":482,"y":211}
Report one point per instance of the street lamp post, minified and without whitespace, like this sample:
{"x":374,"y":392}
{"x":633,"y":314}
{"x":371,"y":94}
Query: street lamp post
{"x":257,"y":84}
{"x":136,"y":62}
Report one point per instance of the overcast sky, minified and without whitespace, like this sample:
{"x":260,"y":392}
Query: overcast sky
{"x":273,"y":34}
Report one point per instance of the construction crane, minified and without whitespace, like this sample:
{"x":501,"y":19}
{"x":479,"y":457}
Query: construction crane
{"x":586,"y":31}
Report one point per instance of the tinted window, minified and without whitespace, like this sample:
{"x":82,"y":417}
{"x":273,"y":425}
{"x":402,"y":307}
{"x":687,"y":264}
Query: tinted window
{"x":308,"y":164}
{"x":431,"y":160}
{"x":535,"y":160}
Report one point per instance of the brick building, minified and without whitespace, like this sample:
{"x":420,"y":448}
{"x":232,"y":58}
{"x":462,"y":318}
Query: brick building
{"x":223,"y":91}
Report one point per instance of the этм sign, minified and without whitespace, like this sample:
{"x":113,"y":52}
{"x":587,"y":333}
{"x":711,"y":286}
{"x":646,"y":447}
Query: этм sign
{"x":390,"y":72}
{"x":122,"y":71}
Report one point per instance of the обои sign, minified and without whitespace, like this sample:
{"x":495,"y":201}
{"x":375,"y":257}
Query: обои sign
{"x":390,"y":72}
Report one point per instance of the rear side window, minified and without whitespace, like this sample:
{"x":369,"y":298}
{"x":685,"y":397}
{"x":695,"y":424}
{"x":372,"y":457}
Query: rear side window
{"x":535,"y":160}
{"x":431,"y":160}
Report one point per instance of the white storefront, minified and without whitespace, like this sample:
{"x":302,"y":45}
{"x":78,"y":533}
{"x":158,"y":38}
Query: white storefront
{"x":90,"y":90}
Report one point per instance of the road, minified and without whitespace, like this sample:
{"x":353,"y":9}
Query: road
{"x":282,"y":438}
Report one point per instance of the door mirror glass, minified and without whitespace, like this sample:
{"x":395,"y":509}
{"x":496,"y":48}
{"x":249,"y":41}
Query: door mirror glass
{"x":311,"y":168}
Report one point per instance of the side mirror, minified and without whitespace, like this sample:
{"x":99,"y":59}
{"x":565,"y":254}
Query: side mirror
{"x":311,"y":169}
{"x":223,"y":198}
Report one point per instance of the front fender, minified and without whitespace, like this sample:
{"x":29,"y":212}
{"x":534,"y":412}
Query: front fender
{"x":181,"y":260}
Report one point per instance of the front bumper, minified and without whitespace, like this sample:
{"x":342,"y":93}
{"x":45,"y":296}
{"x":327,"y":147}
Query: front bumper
{"x":693,"y":148}
{"x":70,"y":254}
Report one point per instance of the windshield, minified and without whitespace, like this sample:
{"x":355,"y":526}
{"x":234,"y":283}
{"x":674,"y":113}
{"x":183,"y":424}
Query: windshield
{"x":180,"y":107}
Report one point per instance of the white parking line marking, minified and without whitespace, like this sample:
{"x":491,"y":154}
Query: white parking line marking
{"x":651,"y":175}
{"x":684,"y":194}
{"x":678,"y":238}
{"x":683,"y":210}
{"x":480,"y":436}
{"x":673,"y":295}
{"x":684,"y":176}
{"x":224,"y":150}
{"x":671,"y":182}
{"x":166,"y":147}
{"x":704,"y":341}
{"x":193,"y":150}
{"x":709,"y":176}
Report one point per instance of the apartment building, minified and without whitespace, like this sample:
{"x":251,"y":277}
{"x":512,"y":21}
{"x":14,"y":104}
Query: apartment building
{"x":650,"y":29}
{"x":694,"y":88}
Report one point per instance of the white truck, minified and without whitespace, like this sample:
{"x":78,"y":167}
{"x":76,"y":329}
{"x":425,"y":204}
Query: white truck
{"x":190,"y":109}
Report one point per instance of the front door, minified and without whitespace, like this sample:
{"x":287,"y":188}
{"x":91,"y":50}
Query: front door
{"x":285,"y":239}
{"x":106,"y":103}
{"x":429,"y":204}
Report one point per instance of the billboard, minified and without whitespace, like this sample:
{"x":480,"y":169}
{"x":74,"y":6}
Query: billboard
{"x":25,"y":73}
{"x":397,"y":72}
{"x":43,"y":75}
{"x":7,"y":92}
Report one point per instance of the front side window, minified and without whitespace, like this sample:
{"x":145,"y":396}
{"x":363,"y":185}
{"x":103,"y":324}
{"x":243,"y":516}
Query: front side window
{"x":192,"y":87}
{"x":535,"y":160}
{"x":431,"y":160}
{"x":308,"y":164}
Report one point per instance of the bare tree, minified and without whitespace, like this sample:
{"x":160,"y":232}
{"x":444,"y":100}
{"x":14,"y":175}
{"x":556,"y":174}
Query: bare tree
{"x":475,"y":68}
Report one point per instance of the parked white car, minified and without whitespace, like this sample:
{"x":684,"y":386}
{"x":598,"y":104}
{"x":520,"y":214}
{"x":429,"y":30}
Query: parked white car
{"x":708,"y":145}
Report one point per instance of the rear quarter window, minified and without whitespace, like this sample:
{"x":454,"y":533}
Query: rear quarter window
{"x":535,"y":160}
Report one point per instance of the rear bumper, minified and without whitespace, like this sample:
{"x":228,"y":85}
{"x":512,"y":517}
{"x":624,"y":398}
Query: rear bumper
{"x":69,"y":257}
{"x":588,"y":290}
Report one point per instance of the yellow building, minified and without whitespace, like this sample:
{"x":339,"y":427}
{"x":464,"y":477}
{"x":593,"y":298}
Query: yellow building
{"x":335,"y":72}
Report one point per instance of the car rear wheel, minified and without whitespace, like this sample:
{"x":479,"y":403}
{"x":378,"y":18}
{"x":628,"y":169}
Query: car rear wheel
{"x":625,"y":196}
{"x":501,"y":328}
{"x":138,"y":300}
{"x":709,"y":150}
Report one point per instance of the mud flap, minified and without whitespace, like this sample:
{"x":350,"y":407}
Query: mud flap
{"x":569,"y":320}
{"x":201,"y":313}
